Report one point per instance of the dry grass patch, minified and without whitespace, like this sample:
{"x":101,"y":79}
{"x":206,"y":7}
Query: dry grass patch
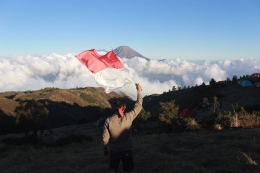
{"x":237,"y":118}
{"x":201,"y":151}
{"x":249,"y":159}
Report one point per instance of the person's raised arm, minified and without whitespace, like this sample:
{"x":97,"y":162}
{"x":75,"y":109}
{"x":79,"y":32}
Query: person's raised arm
{"x":138,"y":88}
{"x":138,"y":104}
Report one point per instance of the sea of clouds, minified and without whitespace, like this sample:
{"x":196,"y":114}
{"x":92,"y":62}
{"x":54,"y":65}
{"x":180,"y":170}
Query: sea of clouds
{"x":23,"y":73}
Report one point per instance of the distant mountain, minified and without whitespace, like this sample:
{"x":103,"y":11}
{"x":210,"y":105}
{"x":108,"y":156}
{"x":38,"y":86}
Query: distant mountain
{"x":127,"y":52}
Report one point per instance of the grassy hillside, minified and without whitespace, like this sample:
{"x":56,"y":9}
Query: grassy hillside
{"x":229,"y":94}
{"x":66,"y":106}
{"x":78,"y":148}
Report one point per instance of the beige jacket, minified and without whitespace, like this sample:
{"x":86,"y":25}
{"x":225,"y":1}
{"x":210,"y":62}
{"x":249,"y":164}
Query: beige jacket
{"x":117,"y":131}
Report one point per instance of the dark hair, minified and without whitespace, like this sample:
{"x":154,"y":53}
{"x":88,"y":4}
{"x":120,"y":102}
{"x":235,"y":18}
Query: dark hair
{"x":119,"y":102}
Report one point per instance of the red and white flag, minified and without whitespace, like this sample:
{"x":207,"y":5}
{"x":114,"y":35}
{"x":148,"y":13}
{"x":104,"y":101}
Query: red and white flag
{"x":108,"y":70}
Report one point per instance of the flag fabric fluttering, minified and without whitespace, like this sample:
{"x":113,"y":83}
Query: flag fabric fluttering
{"x":108,"y":70}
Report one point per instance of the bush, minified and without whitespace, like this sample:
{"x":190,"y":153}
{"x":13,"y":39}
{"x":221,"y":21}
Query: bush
{"x":184,"y":124}
{"x":238,"y":119}
{"x":168,"y":112}
{"x":249,"y":120}
{"x":141,"y":119}
{"x":30,"y":115}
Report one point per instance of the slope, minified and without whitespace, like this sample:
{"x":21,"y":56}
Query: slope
{"x":230,"y":95}
{"x":127,"y":52}
{"x":66,"y":106}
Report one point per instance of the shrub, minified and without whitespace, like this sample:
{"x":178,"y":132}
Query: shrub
{"x":141,"y":119}
{"x":183,"y":124}
{"x":215,"y":103}
{"x":238,"y":119}
{"x":249,"y":119}
{"x":168,"y":112}
{"x":192,"y":124}
{"x":218,"y":127}
{"x":226,"y":119}
{"x":30,"y":115}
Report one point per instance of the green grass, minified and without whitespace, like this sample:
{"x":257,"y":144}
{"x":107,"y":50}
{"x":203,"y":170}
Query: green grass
{"x":88,"y":98}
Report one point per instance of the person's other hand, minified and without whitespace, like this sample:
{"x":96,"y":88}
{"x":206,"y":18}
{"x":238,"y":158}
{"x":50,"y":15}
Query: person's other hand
{"x":138,"y":87}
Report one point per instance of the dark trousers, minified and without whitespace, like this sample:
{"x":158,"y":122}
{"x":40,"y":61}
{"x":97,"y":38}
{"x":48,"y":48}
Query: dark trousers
{"x":127,"y":160}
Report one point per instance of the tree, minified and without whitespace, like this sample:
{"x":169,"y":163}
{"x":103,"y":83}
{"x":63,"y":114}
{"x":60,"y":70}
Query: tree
{"x":212,"y":81}
{"x":141,"y":119}
{"x":31,"y":115}
{"x":234,"y":79}
{"x":173,"y":88}
{"x":215,"y":103}
{"x":228,"y":81}
{"x":168,"y":111}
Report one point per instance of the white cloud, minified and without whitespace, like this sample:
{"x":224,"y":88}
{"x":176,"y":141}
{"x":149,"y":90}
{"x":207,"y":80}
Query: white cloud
{"x":198,"y":81}
{"x":20,"y":73}
{"x":216,"y":72}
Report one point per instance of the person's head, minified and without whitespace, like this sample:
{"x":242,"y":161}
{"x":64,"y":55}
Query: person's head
{"x":120,"y":106}
{"x":119,"y":102}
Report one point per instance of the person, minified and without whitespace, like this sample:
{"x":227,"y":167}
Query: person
{"x":117,"y":134}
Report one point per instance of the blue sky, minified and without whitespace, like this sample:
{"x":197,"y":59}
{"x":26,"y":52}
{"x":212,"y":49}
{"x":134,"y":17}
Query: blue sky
{"x":185,"y":29}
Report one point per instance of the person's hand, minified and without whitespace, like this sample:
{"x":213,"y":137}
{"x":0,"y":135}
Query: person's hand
{"x":138,"y":87}
{"x":106,"y":152}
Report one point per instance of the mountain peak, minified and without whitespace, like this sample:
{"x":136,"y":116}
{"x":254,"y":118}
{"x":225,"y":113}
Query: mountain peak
{"x":127,"y":52}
